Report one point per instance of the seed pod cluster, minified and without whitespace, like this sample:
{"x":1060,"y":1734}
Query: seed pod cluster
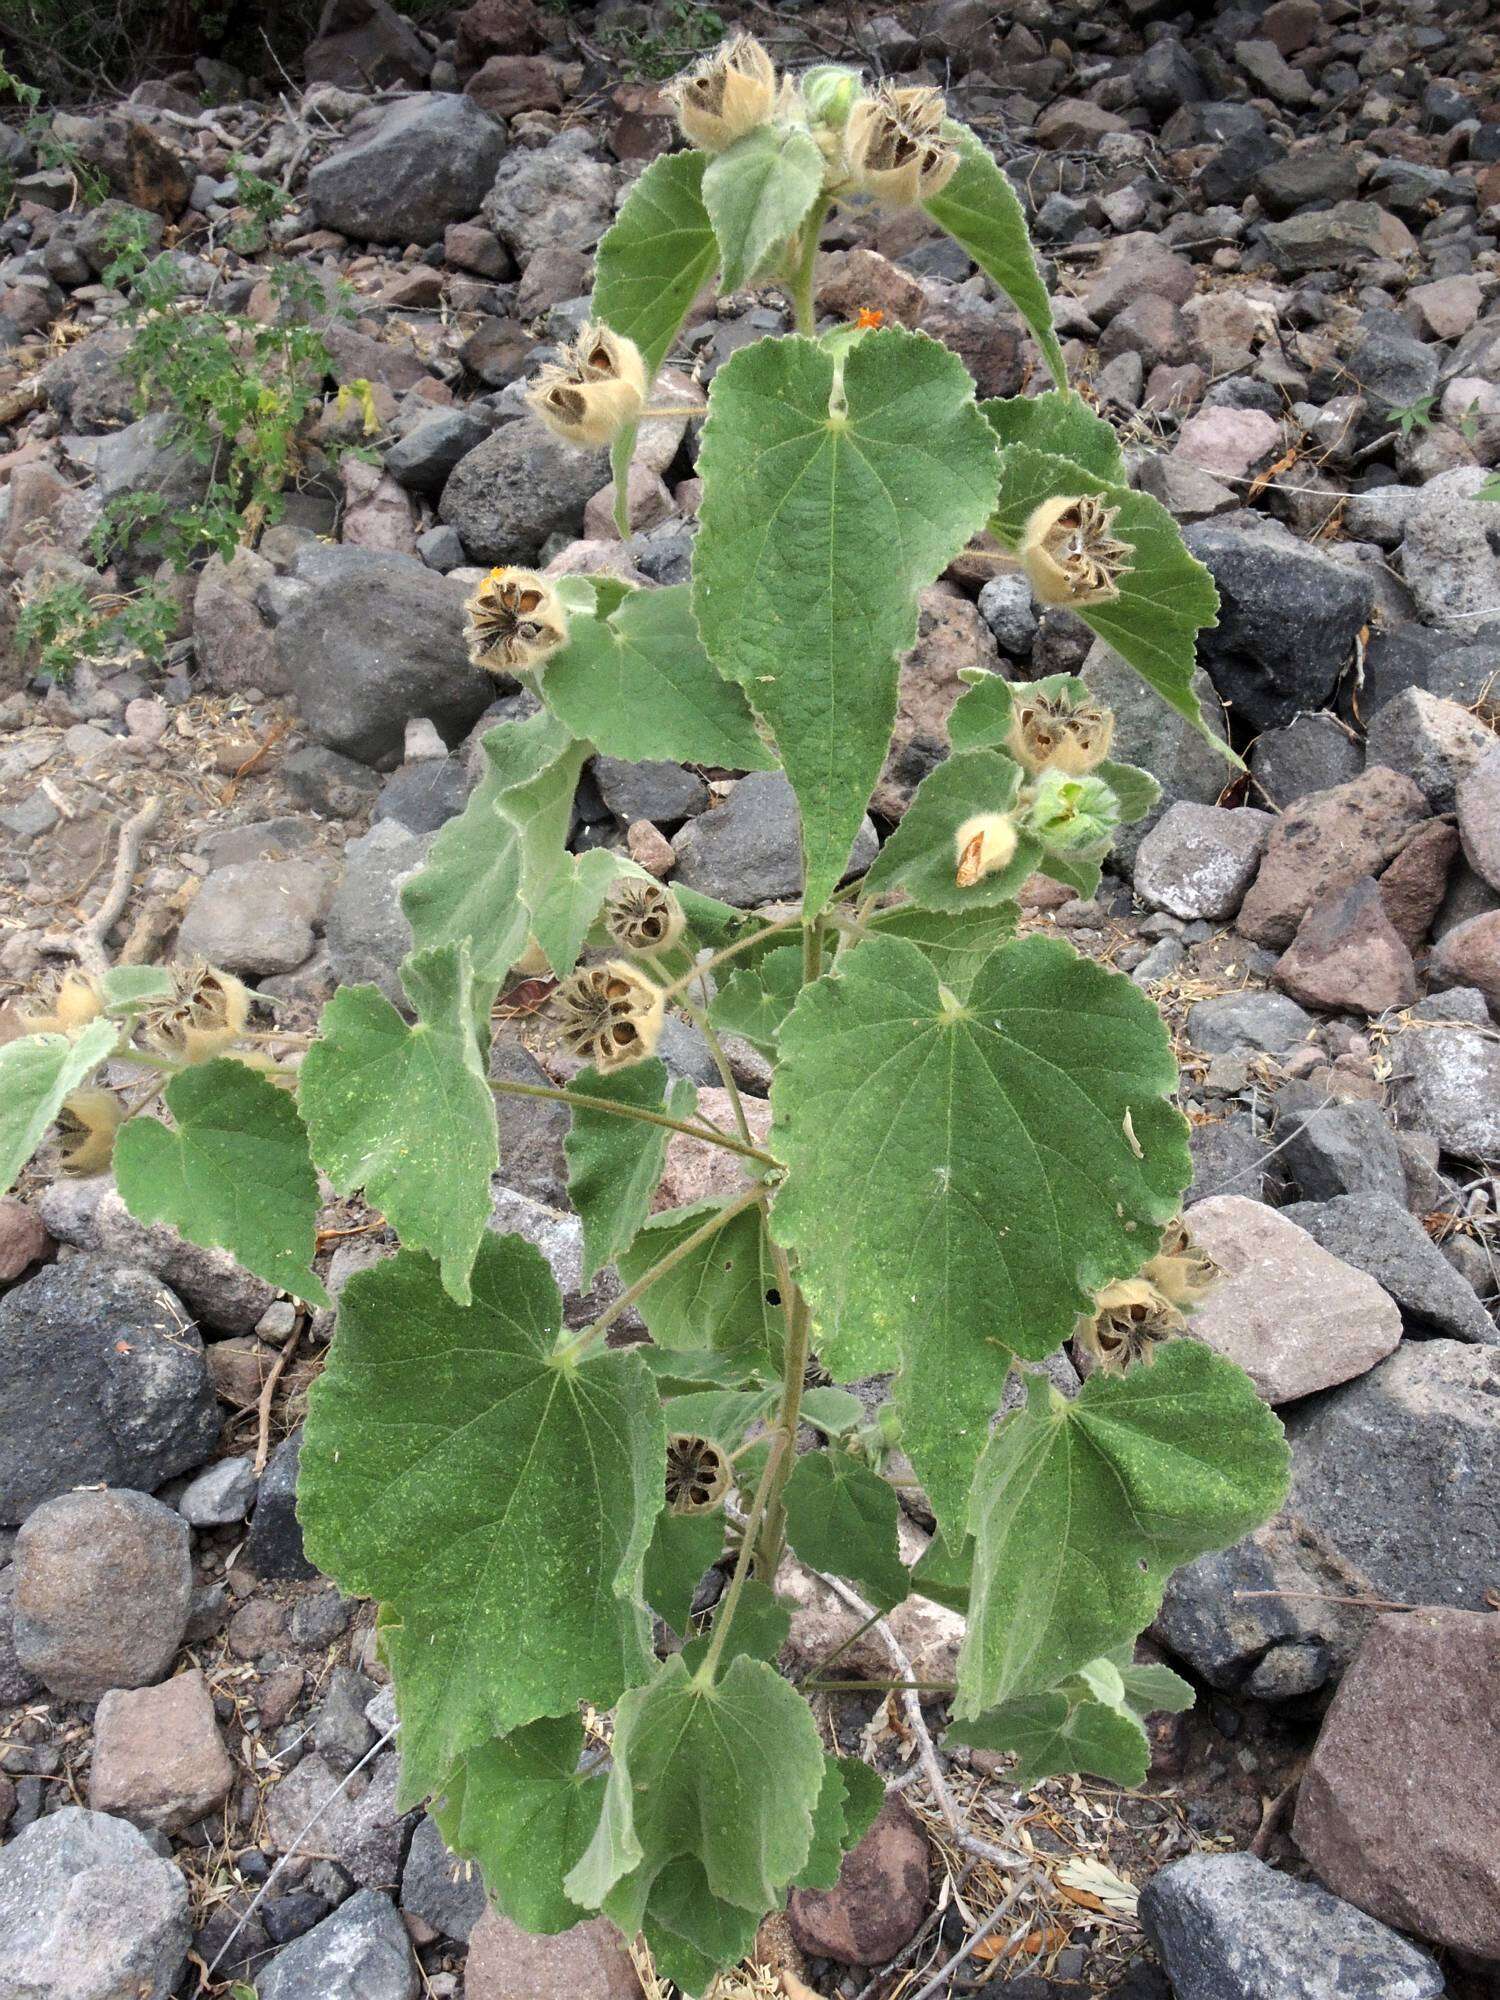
{"x":1054,"y":731}
{"x":726,"y":95}
{"x":894,"y":148}
{"x":1071,"y":816}
{"x":1070,"y":553}
{"x":595,"y":388}
{"x":698,"y":1474}
{"x":204,"y":1014}
{"x":1131,"y":1321}
{"x":1180,"y":1271}
{"x":513,"y":620}
{"x":642,"y":916}
{"x":73,"y":1004}
{"x":610,"y":1014}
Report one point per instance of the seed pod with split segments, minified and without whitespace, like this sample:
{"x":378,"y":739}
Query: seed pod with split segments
{"x":729,"y":93}
{"x":1180,"y":1271}
{"x":698,"y":1475}
{"x":75,"y":1003}
{"x":642,"y":916}
{"x":982,"y":846}
{"x":594,"y":389}
{"x":1131,"y":1320}
{"x":514,"y":620}
{"x":611,"y":1014}
{"x":205,"y":1014}
{"x":1058,"y":733}
{"x":1070,"y":554}
{"x":86,"y":1125}
{"x":894,"y":148}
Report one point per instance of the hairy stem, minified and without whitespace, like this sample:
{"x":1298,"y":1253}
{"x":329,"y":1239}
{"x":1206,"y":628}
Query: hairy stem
{"x":731,"y":951}
{"x":773,"y":1527}
{"x":592,"y":1335}
{"x":699,"y":1018}
{"x":582,"y":1102}
{"x":803,"y":303}
{"x":730,"y":1604}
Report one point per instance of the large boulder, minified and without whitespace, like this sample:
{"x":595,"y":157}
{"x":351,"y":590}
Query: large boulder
{"x":1446,"y":1074}
{"x":1325,"y":842}
{"x":429,"y":162}
{"x":90,"y":1911}
{"x":1265,"y":664}
{"x":520,"y":486}
{"x":1398,"y":1809}
{"x":1377,"y":1234}
{"x":370,"y":640}
{"x":361,"y":1949}
{"x":102,"y":1382}
{"x":558,"y":197}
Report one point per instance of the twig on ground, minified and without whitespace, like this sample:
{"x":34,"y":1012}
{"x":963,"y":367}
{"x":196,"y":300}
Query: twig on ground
{"x":990,"y":1925}
{"x":268,"y":1390}
{"x":87,"y":944}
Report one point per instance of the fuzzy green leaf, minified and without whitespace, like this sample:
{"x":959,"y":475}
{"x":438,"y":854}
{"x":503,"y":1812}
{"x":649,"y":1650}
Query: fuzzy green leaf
{"x":638,"y":684}
{"x":234,"y":1175}
{"x":1082,"y":1510}
{"x":841,"y":1517}
{"x":1165,"y":599}
{"x":405,"y":1112}
{"x":519,"y":1808}
{"x":614,"y":1163}
{"x":36,"y":1074}
{"x":1054,"y":1736}
{"x":1060,"y":422}
{"x":758,"y":193}
{"x":683,"y":1549}
{"x":1136,"y":790}
{"x":692,"y":1932}
{"x":851,"y":1797}
{"x":569,"y":907}
{"x":657,"y":256}
{"x":963,"y":1177}
{"x":921,"y":856}
{"x":725,"y":1774}
{"x":500,"y":1501}
{"x":755,"y":999}
{"x":982,"y":213}
{"x":125,"y":988}
{"x":981,"y":716}
{"x":722,"y":1296}
{"x":956,"y":947}
{"x":836,"y":490}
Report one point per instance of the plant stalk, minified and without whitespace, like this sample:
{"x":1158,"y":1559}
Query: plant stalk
{"x":730,"y":951}
{"x":804,"y":306}
{"x":730,"y":1604}
{"x":582,"y":1102}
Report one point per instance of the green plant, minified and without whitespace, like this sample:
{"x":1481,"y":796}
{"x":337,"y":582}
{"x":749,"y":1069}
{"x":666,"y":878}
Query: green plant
{"x":974,"y":1157}
{"x":264,"y":202}
{"x":685,"y":28}
{"x":61,"y":625}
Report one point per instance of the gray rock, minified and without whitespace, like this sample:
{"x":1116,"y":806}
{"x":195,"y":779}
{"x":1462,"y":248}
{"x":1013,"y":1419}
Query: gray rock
{"x":148,"y":457}
{"x":363,"y":1949}
{"x":218,"y":1292}
{"x":1308,"y":754}
{"x":327,"y":783}
{"x":102,"y":1381}
{"x":368,"y":935}
{"x":1298,"y":180}
{"x":1446,"y":1079}
{"x":1227,"y":1927}
{"x":221,"y":1493}
{"x":16,"y":1684}
{"x":532,"y":1130}
{"x":1377,"y":1233}
{"x":1267,"y":1616}
{"x":365,"y":45}
{"x":341,"y":1732}
{"x":1265,"y":665}
{"x":1401,"y":1471}
{"x":104,"y":1588}
{"x":520,"y":486}
{"x":359,"y":1827}
{"x":89,"y":1910}
{"x":559,"y":1237}
{"x":429,"y":162}
{"x":436,"y":1886}
{"x":1479,"y":819}
{"x":87,"y":384}
{"x":663,"y":793}
{"x":425,"y":795}
{"x":424,"y":457}
{"x":234,"y":646}
{"x":1434,"y":743}
{"x":1166,"y":77}
{"x":1392,"y":366}
{"x":557,"y":197}
{"x":1447,"y":559}
{"x":1198,"y":861}
{"x":749,"y":849}
{"x":1005,"y":605}
{"x":1228,"y":1158}
{"x":1157,"y":738}
{"x":369,"y":640}
{"x":1341,"y":1149}
{"x":256,"y":917}
{"x":1337,"y":238}
{"x":274,"y":1547}
{"x":1231,"y":1023}
{"x":441,"y":549}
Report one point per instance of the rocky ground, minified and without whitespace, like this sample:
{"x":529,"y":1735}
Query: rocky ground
{"x":1271,"y":238}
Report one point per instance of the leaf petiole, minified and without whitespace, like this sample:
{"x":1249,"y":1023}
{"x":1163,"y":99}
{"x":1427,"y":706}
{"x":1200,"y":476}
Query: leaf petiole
{"x":709,"y":1134}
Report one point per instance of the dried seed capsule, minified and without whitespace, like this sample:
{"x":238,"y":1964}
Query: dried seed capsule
{"x":894,"y":147}
{"x":75,"y":1003}
{"x":1131,"y":1322}
{"x":514,"y":619}
{"x":643,"y":916}
{"x":87,"y":1124}
{"x":611,"y":1014}
{"x":1180,"y":1271}
{"x":594,"y":390}
{"x":1059,"y":733}
{"x":1069,"y":553}
{"x":726,"y":95}
{"x":698,"y":1474}
{"x":983,"y":845}
{"x":204,"y":1014}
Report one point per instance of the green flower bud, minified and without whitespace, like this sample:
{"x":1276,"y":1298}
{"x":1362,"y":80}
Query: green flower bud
{"x":1069,"y":815}
{"x":829,"y":91}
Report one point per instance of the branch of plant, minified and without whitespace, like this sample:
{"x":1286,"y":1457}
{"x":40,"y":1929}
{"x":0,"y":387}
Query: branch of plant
{"x":699,"y":1018}
{"x":793,"y":1375}
{"x":730,"y":1602}
{"x":729,"y":951}
{"x":88,"y":945}
{"x":591,"y":1336}
{"x":581,"y":1101}
{"x":804,"y":305}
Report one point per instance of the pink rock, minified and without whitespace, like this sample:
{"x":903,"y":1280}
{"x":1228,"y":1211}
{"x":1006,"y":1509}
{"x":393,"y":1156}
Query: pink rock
{"x":1151,"y":327}
{"x":1479,"y":817}
{"x":650,"y":502}
{"x":1347,"y":955}
{"x":589,"y":1962}
{"x":1398,"y":1810}
{"x":1469,"y":955}
{"x":1325,"y":841}
{"x":880,"y":1898}
{"x":508,"y":84}
{"x":951,"y":635}
{"x":414,"y":290}
{"x":650,"y":848}
{"x":1287,"y":1311}
{"x":23,"y":1238}
{"x":1076,"y":124}
{"x":377,"y":511}
{"x":698,"y":1171}
{"x":1136,"y":266}
{"x":1413,"y":887}
{"x":1230,"y":444}
{"x":1448,"y":307}
{"x":159,"y":1759}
